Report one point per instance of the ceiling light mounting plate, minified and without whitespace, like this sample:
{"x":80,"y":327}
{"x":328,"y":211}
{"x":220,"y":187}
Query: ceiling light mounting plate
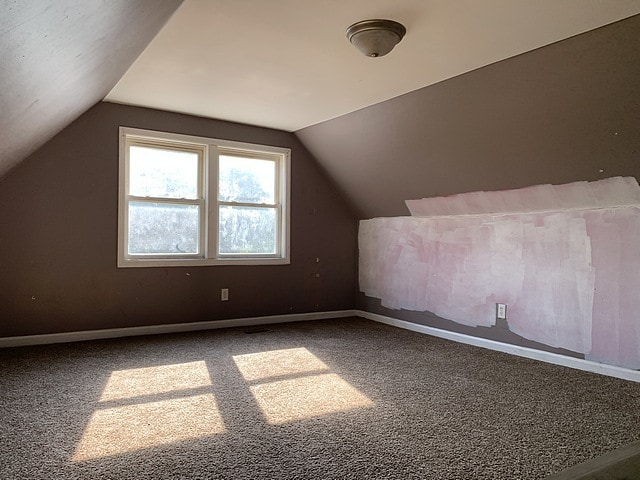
{"x":376,"y":37}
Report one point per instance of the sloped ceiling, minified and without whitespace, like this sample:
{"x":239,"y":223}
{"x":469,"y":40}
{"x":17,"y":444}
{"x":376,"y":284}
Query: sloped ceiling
{"x":287,"y":64}
{"x":59,"y":57}
{"x":457,"y":106}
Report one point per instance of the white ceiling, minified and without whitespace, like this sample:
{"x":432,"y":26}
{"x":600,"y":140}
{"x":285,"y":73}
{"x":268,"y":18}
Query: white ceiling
{"x":287,"y":64}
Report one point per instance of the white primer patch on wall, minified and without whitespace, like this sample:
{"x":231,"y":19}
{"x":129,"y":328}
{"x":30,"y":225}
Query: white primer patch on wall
{"x":569,"y":277}
{"x":610,"y":192}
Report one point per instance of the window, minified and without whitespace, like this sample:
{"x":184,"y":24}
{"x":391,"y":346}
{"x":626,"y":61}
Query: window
{"x":197,"y":201}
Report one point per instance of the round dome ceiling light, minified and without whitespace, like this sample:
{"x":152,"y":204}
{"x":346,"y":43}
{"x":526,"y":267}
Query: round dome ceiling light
{"x":376,"y":38}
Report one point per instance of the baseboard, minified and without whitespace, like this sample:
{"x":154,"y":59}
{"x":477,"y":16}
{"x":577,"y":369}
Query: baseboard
{"x":51,"y":338}
{"x":557,"y":359}
{"x":623,"y":462}
{"x":571,"y":362}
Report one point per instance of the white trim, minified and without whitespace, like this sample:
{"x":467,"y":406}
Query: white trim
{"x":208,"y":150}
{"x":51,"y":338}
{"x":548,"y":357}
{"x":123,"y":188}
{"x":285,"y":205}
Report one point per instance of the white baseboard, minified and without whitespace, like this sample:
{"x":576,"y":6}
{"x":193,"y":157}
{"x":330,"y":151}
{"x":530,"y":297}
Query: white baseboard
{"x":557,"y":359}
{"x":577,"y":363}
{"x":50,"y":338}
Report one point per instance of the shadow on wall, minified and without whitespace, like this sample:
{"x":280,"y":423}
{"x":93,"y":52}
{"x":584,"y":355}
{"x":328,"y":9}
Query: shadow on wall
{"x":564,"y":259}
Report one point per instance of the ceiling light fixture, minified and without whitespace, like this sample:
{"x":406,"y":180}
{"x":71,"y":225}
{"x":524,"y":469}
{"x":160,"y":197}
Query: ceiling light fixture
{"x":376,"y":38}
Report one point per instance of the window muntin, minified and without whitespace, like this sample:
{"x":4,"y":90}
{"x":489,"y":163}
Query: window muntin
{"x":196,"y":201}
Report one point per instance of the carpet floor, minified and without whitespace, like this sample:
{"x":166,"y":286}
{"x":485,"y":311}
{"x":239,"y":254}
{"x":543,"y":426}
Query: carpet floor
{"x":334,"y":399}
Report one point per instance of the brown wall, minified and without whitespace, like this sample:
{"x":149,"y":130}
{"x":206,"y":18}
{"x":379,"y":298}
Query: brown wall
{"x":58,"y":239}
{"x":499,"y":332}
{"x":563,"y":113}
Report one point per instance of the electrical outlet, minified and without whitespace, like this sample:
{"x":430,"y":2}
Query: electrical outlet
{"x":501,"y":311}
{"x":224,"y":294}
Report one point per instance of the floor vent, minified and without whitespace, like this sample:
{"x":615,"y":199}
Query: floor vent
{"x":257,"y":330}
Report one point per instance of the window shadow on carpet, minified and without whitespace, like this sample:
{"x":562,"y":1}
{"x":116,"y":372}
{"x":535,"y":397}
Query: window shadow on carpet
{"x":152,"y":406}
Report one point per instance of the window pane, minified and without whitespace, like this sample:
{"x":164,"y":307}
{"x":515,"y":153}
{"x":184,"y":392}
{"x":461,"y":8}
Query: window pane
{"x":156,"y":172}
{"x":247,"y":180}
{"x":156,"y":228}
{"x":247,"y":230}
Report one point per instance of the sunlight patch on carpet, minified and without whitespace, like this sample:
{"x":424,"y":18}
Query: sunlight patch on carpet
{"x":129,"y":428}
{"x":154,"y":380}
{"x":277,"y":363}
{"x":308,"y":388}
{"x":307,"y":397}
{"x":148,"y":407}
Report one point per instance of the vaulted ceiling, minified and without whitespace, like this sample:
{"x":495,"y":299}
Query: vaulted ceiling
{"x":373,"y":124}
{"x":287,"y":64}
{"x":59,"y":57}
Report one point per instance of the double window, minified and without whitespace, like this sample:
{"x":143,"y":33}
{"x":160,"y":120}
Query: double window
{"x":197,"y":201}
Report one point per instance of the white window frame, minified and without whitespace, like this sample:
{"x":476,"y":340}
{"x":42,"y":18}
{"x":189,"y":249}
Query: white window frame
{"x":209,"y":150}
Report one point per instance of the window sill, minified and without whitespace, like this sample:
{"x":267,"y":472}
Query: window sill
{"x":199,"y":262}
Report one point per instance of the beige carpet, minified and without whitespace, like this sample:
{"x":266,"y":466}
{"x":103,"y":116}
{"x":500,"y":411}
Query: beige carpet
{"x":339,"y":399}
